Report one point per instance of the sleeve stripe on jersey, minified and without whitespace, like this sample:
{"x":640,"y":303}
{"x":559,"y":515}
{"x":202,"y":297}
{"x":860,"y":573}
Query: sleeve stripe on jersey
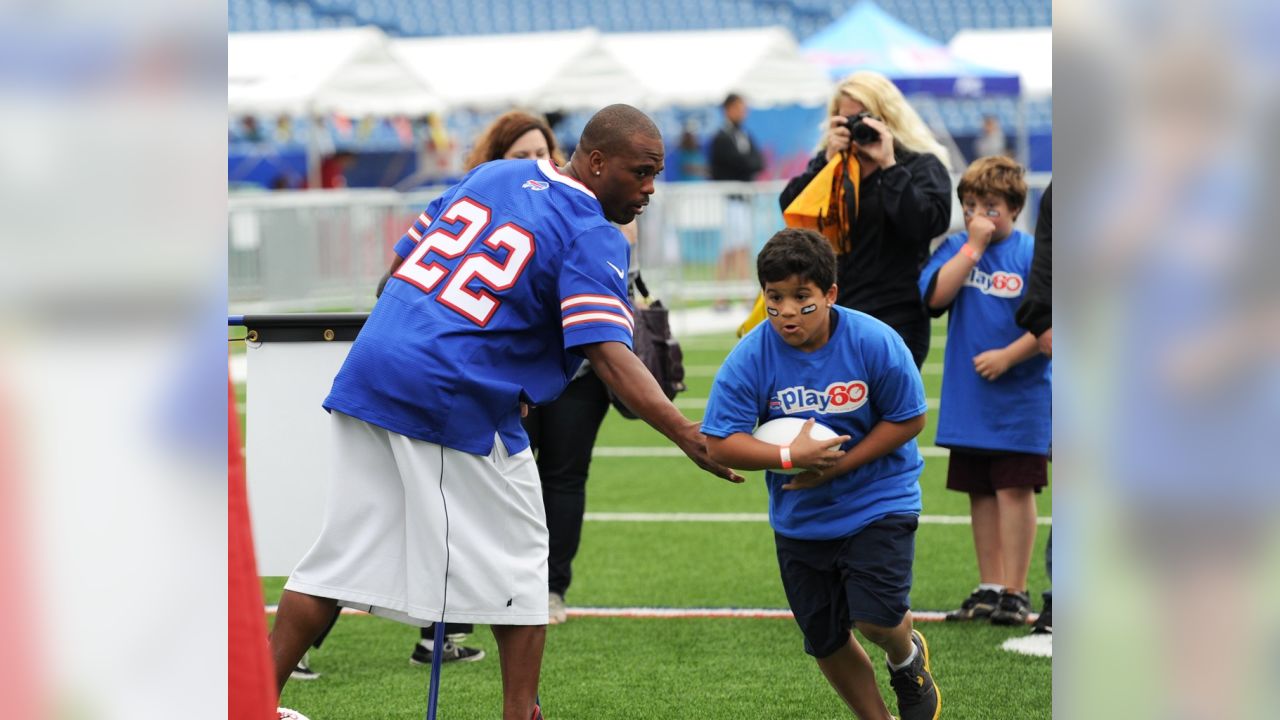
{"x":413,"y":233}
{"x":584,"y":317}
{"x":610,"y":301}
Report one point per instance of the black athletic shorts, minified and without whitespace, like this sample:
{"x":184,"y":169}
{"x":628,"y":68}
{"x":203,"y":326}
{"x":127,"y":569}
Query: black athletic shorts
{"x":865,"y":577}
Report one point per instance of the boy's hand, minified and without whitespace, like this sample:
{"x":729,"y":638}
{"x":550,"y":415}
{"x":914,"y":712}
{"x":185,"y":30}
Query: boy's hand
{"x":991,"y":364}
{"x":980,"y":230}
{"x":805,"y":480}
{"x":815,"y":454}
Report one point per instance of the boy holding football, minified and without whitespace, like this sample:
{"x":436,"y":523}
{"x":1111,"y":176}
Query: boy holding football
{"x":844,"y":526}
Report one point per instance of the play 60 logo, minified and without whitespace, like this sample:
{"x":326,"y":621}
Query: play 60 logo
{"x":998,"y":284}
{"x":839,"y":397}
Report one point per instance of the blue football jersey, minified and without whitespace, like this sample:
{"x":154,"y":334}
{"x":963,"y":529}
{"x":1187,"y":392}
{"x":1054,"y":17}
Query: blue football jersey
{"x":864,"y":374}
{"x":504,"y":275}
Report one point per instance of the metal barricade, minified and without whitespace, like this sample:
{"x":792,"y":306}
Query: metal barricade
{"x":326,"y":250}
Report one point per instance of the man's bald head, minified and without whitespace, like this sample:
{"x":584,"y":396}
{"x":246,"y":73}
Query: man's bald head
{"x":613,"y":130}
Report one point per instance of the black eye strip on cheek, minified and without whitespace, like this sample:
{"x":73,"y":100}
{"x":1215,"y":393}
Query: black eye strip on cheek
{"x":808,"y":309}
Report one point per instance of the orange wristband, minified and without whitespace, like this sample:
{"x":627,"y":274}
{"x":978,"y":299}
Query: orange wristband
{"x":970,"y":252}
{"x":785,"y":452}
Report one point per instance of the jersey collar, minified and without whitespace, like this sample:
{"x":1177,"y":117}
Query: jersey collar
{"x":555,"y":175}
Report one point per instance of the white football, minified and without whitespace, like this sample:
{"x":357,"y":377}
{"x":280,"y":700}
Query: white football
{"x":287,"y":714}
{"x":782,"y":431}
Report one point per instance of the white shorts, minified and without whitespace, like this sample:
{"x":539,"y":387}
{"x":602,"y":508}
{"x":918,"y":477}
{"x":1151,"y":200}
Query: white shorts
{"x":421,"y":533}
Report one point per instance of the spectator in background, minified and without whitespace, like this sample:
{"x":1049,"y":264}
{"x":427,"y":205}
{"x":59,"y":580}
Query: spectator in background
{"x":995,"y":413}
{"x":903,"y":202}
{"x":333,"y":169}
{"x":734,"y":156}
{"x":693,"y":164}
{"x":992,"y":141}
{"x":1035,"y":315}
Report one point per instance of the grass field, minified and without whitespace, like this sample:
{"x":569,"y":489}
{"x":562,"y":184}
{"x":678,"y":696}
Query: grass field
{"x":689,"y":668}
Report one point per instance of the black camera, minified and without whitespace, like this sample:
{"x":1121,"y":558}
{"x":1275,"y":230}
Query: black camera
{"x":862,"y":133}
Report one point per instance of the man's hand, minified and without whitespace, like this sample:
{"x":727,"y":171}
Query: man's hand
{"x":1045,"y":342}
{"x":694,"y":444}
{"x":991,"y":364}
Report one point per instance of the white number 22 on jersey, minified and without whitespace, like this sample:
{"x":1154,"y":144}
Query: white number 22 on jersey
{"x":477,"y":306}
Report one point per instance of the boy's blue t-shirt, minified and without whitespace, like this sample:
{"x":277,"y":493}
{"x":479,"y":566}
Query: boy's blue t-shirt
{"x":1013,"y":413}
{"x":506,"y":276}
{"x":864,"y":374}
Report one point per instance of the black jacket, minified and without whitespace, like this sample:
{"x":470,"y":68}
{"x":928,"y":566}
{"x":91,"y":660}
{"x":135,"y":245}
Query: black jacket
{"x":901,"y":210}
{"x":728,"y":162}
{"x":1036,"y":311}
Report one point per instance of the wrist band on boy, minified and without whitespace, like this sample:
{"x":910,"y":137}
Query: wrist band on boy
{"x":970,"y":252}
{"x":785,"y":452}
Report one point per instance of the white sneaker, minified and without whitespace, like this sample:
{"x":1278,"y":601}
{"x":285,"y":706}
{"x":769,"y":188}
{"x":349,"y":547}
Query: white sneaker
{"x":556,"y":611}
{"x":287,"y":714}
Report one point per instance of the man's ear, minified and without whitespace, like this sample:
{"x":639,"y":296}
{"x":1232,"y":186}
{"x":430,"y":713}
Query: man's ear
{"x":595,"y":162}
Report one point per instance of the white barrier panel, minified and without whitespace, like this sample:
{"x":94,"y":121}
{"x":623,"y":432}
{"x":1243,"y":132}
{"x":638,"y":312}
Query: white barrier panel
{"x":287,"y":444}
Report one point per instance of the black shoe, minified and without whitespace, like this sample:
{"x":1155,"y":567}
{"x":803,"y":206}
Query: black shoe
{"x":1044,"y":623}
{"x":452,"y":652}
{"x":303,"y":671}
{"x":978,"y":606}
{"x":1014,"y":608}
{"x":918,"y":696}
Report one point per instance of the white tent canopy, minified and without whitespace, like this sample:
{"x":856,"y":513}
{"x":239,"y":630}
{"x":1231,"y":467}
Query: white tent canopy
{"x":1027,"y":52}
{"x":351,"y":71}
{"x":701,"y":67}
{"x":540,"y":71}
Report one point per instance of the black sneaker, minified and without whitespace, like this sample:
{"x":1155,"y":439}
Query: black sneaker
{"x":1044,"y":623}
{"x":304,"y":671}
{"x":1014,"y":609}
{"x":452,"y":652}
{"x":978,"y":606}
{"x":918,"y":696}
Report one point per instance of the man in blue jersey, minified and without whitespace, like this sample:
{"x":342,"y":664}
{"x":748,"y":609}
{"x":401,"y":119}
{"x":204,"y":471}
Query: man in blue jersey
{"x":507,"y":281}
{"x":845,"y":527}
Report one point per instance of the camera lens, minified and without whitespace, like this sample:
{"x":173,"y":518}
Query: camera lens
{"x":863,"y":134}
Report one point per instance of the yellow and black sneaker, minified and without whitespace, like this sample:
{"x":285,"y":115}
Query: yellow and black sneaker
{"x":918,"y":696}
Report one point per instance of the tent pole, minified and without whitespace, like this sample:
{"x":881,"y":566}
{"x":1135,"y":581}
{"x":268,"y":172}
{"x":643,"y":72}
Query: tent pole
{"x":1024,"y":135}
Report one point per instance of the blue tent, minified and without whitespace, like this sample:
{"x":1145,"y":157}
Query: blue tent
{"x":868,"y":38}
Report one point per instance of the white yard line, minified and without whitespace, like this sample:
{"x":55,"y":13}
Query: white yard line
{"x":680,"y":613}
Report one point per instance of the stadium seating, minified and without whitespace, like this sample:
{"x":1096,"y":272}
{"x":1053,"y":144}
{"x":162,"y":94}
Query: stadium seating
{"x":939,"y":19}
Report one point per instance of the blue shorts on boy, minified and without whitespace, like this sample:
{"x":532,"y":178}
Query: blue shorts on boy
{"x":1013,"y":412}
{"x":864,"y":374}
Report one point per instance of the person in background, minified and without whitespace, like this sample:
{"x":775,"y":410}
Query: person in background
{"x":992,"y":140}
{"x":1035,"y":315}
{"x":995,"y":414}
{"x":733,"y":156}
{"x":903,"y":202}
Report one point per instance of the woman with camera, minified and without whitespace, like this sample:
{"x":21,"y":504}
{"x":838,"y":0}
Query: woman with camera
{"x":903,"y":202}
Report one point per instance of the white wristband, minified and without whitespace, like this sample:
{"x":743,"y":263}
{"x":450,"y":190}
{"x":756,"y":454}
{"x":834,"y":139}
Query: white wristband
{"x":785,"y":452}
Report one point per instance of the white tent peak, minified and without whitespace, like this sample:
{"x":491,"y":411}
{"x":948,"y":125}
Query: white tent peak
{"x":348,"y":70}
{"x":1025,"y":51}
{"x":567,"y":70}
{"x":701,"y":67}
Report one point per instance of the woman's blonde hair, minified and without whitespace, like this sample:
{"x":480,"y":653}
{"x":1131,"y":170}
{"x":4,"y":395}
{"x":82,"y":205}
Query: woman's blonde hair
{"x":884,"y":100}
{"x":504,"y":131}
